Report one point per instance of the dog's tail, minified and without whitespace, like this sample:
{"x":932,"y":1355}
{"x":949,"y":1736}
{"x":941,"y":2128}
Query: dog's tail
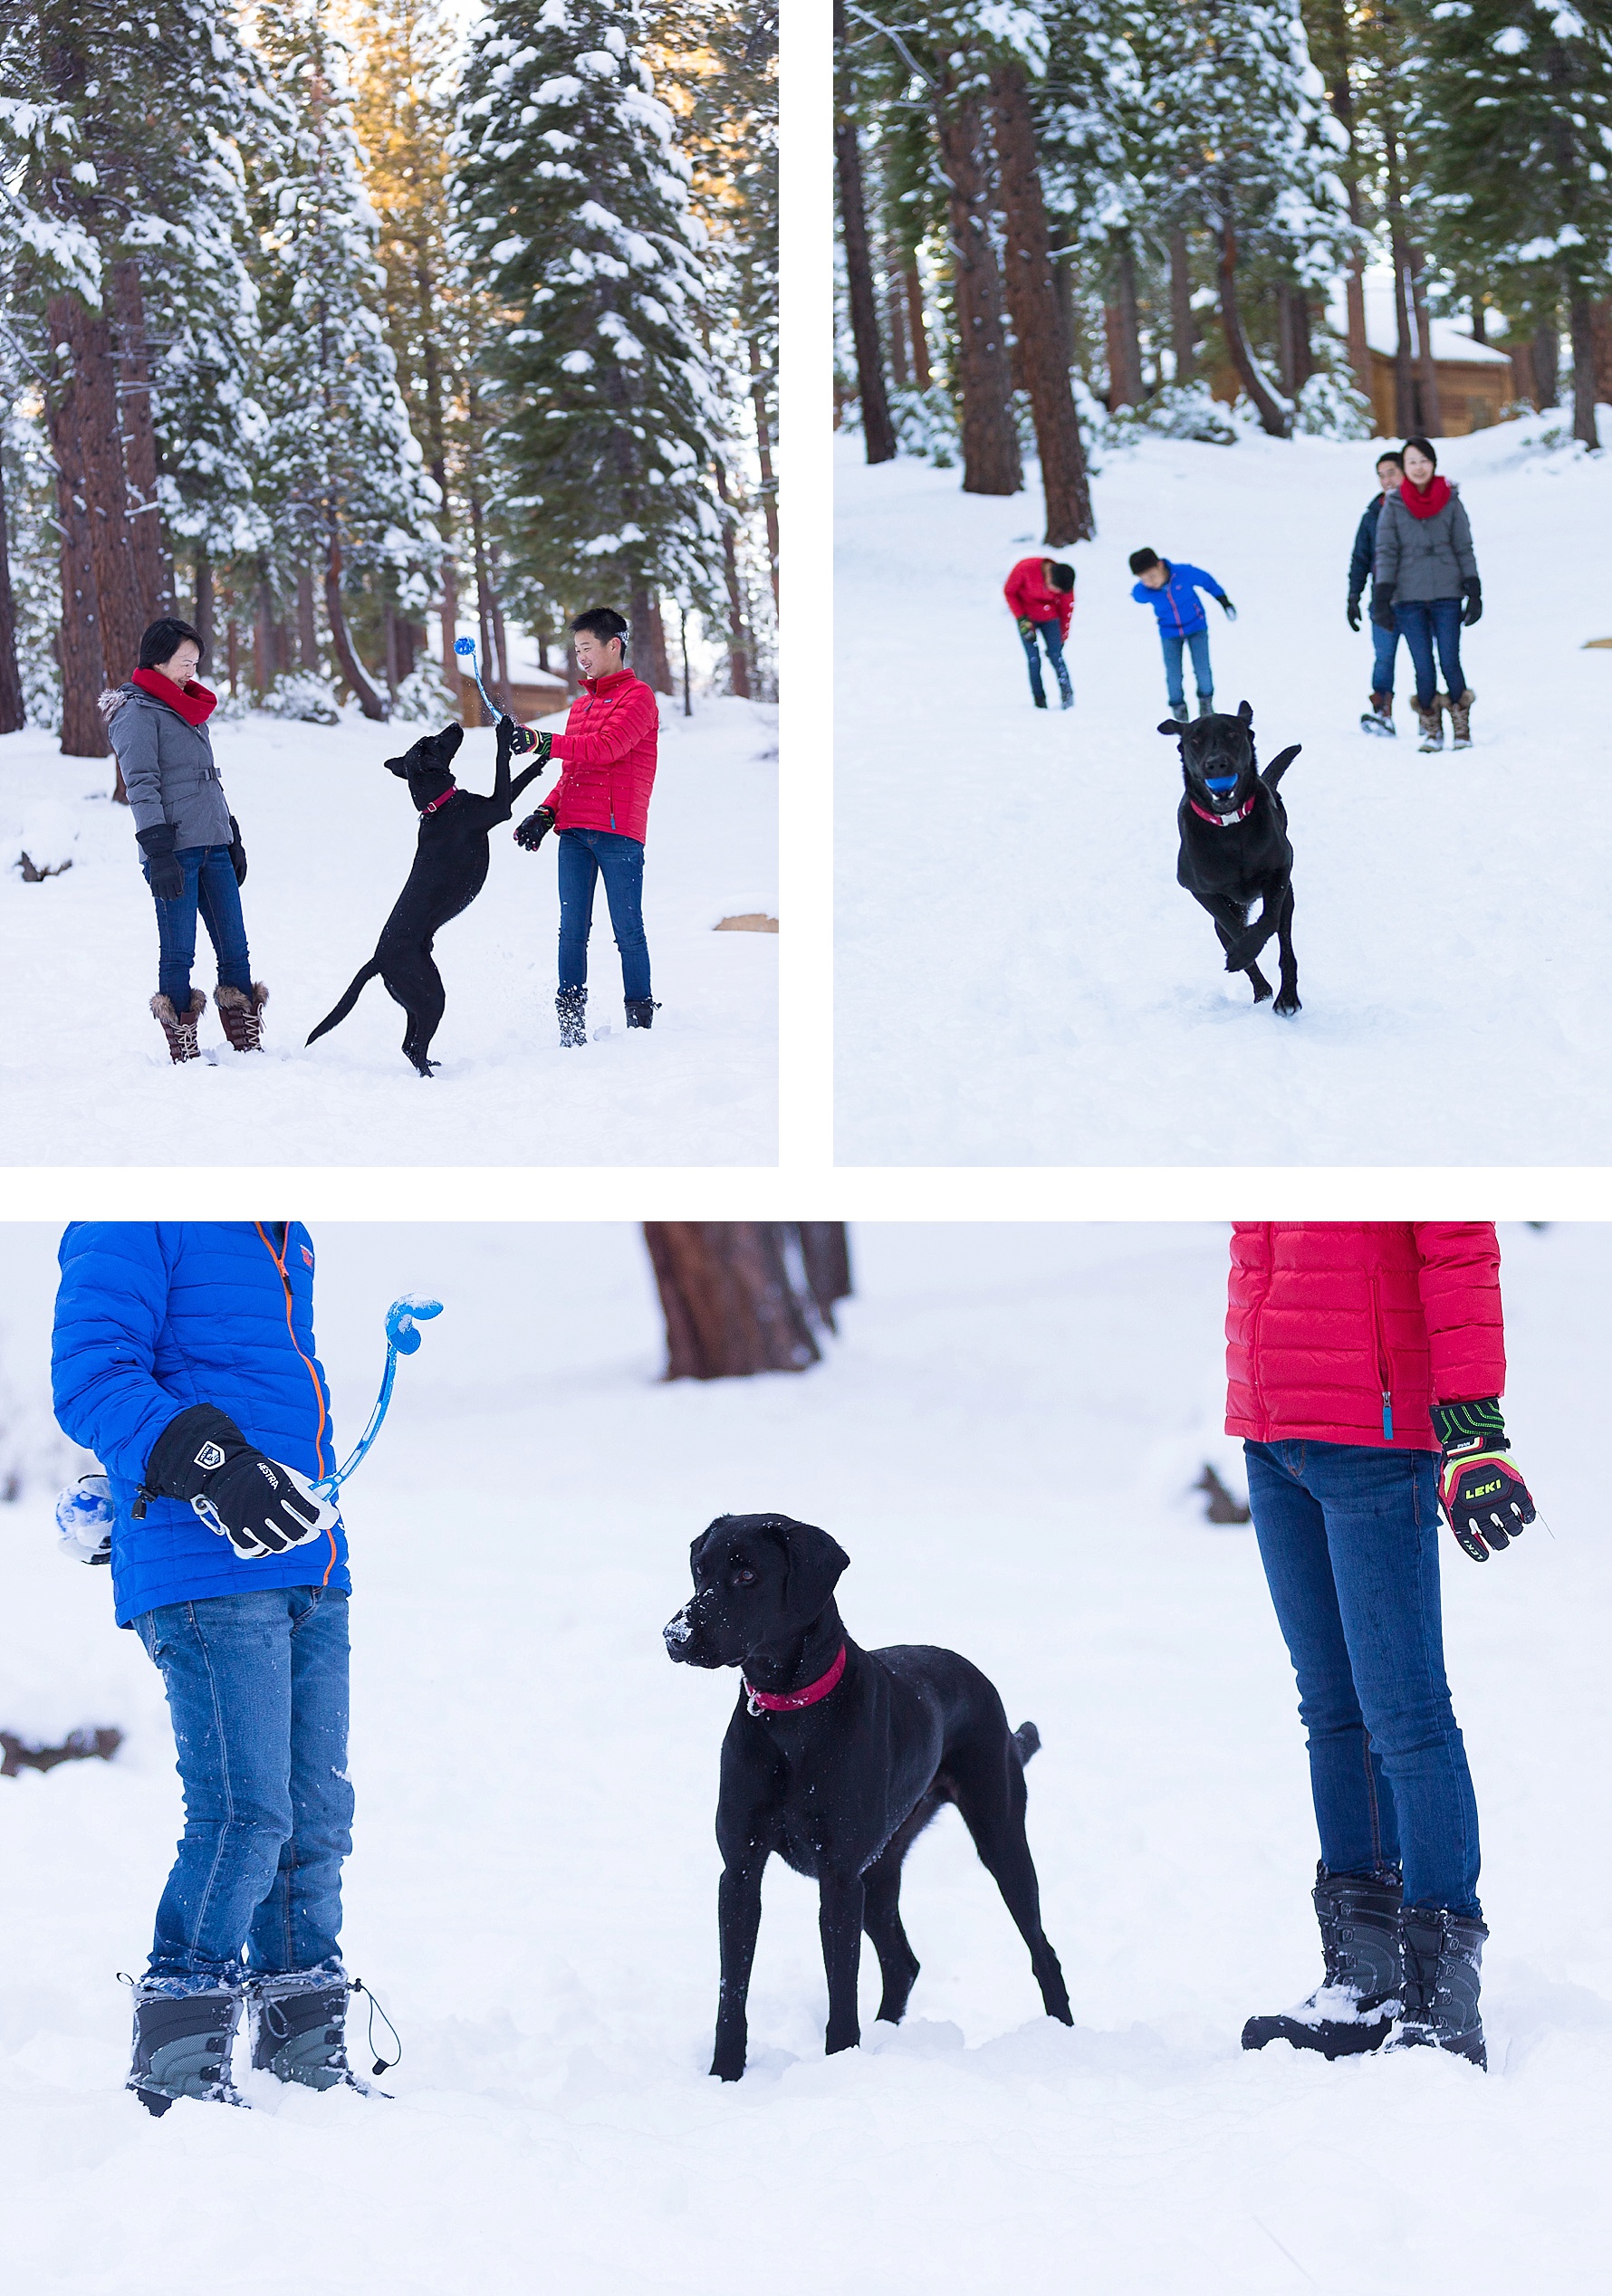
{"x":369,"y":973}
{"x":1279,"y":766}
{"x":1028,"y":1739}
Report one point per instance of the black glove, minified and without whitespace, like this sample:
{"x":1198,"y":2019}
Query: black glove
{"x":257,"y":1505}
{"x":1471,"y":590}
{"x":1354,"y":613}
{"x":534,"y":828}
{"x":1382,"y":604}
{"x":1231,"y":611}
{"x":163,"y":873}
{"x":238,"y":851}
{"x":518,"y":738}
{"x":1480,"y":1487}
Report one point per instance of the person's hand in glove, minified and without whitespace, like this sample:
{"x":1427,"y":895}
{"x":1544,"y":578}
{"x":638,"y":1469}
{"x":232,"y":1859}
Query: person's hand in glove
{"x":1026,"y":627}
{"x":1354,"y":613}
{"x":517,"y":738}
{"x":163,"y":873}
{"x":1230,"y":610}
{"x":534,"y":828}
{"x":1471,"y":590}
{"x":260,"y":1507}
{"x":1382,"y":605}
{"x":1480,"y":1487}
{"x":238,"y":851}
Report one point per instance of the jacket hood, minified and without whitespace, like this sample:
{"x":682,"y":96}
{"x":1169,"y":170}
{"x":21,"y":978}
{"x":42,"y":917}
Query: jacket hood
{"x":113,"y":699}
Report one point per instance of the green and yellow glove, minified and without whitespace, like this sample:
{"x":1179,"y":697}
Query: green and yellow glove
{"x":1481,"y":1488}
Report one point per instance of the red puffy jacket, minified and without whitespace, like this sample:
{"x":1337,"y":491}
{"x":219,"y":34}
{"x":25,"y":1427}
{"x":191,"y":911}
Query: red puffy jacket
{"x":1027,"y":592}
{"x":1346,"y":1331}
{"x":608,"y":752}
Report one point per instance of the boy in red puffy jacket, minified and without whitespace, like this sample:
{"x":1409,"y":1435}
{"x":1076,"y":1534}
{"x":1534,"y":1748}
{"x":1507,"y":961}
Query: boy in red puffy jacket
{"x":1365,"y":1364}
{"x":1041,"y":593}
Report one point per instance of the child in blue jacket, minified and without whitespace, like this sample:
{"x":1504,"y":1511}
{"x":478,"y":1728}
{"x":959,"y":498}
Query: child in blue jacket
{"x":1172,"y":592}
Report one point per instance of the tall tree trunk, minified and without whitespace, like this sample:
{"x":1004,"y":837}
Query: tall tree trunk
{"x":262,"y":640}
{"x":895,"y":318}
{"x":878,"y":432}
{"x":1433,"y":415}
{"x":82,"y":650}
{"x":647,"y":637}
{"x":389,"y":633}
{"x":991,"y":463}
{"x":307,"y":621}
{"x":1182,"y":330}
{"x":1600,"y":323}
{"x":738,"y":648}
{"x":153,"y":577}
{"x":232,"y":646}
{"x":1273,"y":420}
{"x":1580,"y":319}
{"x":483,"y":595}
{"x":1404,"y":397}
{"x":731,"y":1308}
{"x":825,"y":1253}
{"x":202,"y":584}
{"x":916,"y":333}
{"x":100,"y":445}
{"x":450,"y":621}
{"x":1033,"y":301}
{"x":12,"y":719}
{"x":1354,"y":290}
{"x":1545,"y":351}
{"x":763,"y":448}
{"x":368,"y":701}
{"x":1331,"y":18}
{"x":1124,"y":331}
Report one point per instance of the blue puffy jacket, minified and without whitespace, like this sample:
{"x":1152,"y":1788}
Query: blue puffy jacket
{"x":1176,"y":604}
{"x":152,"y":1318}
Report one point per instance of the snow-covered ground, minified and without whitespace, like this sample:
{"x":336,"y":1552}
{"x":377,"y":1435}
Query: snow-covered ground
{"x":84,"y":1075}
{"x":1004,"y":1440}
{"x":1020,"y":977}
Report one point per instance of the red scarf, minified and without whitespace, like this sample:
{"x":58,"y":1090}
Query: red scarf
{"x":1425,"y":502}
{"x":194,"y":704}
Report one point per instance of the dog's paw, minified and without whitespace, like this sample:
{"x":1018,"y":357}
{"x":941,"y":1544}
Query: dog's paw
{"x":1262,"y":988}
{"x":1287,"y":1004}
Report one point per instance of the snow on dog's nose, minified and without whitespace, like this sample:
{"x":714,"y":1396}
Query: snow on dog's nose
{"x":678,"y":1631}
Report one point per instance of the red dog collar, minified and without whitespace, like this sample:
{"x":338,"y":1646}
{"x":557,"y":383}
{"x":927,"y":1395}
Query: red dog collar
{"x":770,"y":1702}
{"x":440,"y":801}
{"x":1221,"y":821}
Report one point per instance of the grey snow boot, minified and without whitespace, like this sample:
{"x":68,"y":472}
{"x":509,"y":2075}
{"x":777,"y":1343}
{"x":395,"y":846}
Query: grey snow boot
{"x":1206,"y":704}
{"x":180,"y":1028}
{"x":1461,"y":719}
{"x":182,"y":2045}
{"x":572,"y":1005}
{"x":242,"y":1016}
{"x":1443,"y":1961}
{"x":298,"y":2026}
{"x":1431,"y":723}
{"x":1351,"y":2010}
{"x":641,"y":1012}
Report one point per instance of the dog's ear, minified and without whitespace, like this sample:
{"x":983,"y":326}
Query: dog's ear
{"x":399,"y":766}
{"x":1246,"y":712}
{"x":814,"y":1562}
{"x":1171,"y":726}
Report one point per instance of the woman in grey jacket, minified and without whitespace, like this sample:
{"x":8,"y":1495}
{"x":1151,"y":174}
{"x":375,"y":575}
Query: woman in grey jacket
{"x":1426,"y":586}
{"x":190,"y":848}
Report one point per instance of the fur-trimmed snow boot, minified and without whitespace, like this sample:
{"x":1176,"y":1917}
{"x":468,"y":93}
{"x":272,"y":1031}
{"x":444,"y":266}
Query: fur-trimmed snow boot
{"x":298,"y":2025}
{"x":1461,"y":719}
{"x":1431,"y":723}
{"x":242,"y":1015}
{"x":1443,"y":1961}
{"x":1351,"y":2009}
{"x":1379,"y":717}
{"x":641,"y":1012}
{"x":572,"y":1005}
{"x":180,"y":1032}
{"x":182,"y":2045}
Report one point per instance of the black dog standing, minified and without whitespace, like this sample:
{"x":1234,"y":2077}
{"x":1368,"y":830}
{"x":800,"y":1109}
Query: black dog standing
{"x":1234,"y":847}
{"x":450,"y":869}
{"x":837,"y":1758}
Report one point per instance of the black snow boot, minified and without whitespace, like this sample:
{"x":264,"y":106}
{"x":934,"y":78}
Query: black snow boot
{"x":572,"y":1005}
{"x":1349,"y":2011}
{"x":182,"y":2047}
{"x":1443,"y":1959}
{"x":298,"y":2026}
{"x":641,"y":1012}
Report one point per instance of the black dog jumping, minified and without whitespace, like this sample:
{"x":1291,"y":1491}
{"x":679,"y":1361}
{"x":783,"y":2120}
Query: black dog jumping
{"x":450,"y":869}
{"x":1234,"y":847}
{"x":837,"y":1758}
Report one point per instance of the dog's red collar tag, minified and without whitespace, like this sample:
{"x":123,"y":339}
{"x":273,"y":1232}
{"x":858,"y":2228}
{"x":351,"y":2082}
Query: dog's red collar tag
{"x":437,"y":802}
{"x":1223,"y":820}
{"x":790,"y":1701}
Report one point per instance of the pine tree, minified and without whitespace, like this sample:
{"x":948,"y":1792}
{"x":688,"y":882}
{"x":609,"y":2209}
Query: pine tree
{"x":571,"y":204}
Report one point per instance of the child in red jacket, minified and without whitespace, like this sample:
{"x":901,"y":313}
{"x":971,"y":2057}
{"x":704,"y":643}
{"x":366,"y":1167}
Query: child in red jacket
{"x":1041,"y":592}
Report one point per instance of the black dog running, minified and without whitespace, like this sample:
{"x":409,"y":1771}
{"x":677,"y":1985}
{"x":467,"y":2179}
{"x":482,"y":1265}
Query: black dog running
{"x":1234,"y":846}
{"x":837,"y":1758}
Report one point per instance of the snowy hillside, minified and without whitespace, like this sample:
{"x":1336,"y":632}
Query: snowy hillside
{"x":84,"y":1073}
{"x":1020,"y":977}
{"x":1004,"y":1440}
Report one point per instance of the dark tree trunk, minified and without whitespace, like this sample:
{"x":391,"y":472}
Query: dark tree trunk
{"x":660,"y":673}
{"x":111,"y":547}
{"x":82,"y":651}
{"x":153,"y":584}
{"x":763,"y":448}
{"x":1600,"y":327}
{"x":1580,"y":319}
{"x":262,"y":640}
{"x":990,"y":463}
{"x":731,"y":1307}
{"x":1033,"y":301}
{"x":500,"y":677}
{"x":368,"y":701}
{"x":1183,"y":328}
{"x":1404,"y":397}
{"x":1293,"y":336}
{"x":738,"y":644}
{"x":394,"y":675}
{"x":450,"y":622}
{"x":879,"y":435}
{"x":307,"y":624}
{"x":233,"y":645}
{"x":895,"y":318}
{"x":1545,"y":353}
{"x":1125,"y":332}
{"x":825,"y":1254}
{"x":914,"y":324}
{"x":1432,"y":413}
{"x":1272,"y":419}
{"x":202,"y":582}
{"x":11,"y":685}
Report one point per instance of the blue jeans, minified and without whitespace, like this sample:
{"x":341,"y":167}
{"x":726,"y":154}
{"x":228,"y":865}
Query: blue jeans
{"x":1349,"y":1537}
{"x":1384,"y":646}
{"x":1052,"y":638}
{"x":1202,"y":676}
{"x":210,"y":886}
{"x":586,"y":856}
{"x":257,"y":1691}
{"x":1423,"y":622}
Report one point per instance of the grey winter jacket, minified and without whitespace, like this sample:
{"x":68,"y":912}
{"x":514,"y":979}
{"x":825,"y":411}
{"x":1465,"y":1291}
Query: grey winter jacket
{"x":1425,"y":556}
{"x":168,"y":768}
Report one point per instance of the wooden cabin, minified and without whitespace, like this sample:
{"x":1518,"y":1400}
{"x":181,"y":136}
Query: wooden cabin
{"x":1476,"y":384}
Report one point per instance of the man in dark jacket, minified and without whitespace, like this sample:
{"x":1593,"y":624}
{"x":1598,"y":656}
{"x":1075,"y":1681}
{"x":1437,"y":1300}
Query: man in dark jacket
{"x":1385,"y":643}
{"x":183,"y":1358}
